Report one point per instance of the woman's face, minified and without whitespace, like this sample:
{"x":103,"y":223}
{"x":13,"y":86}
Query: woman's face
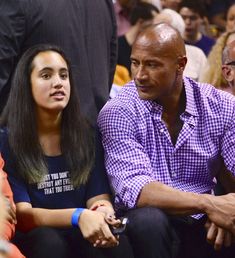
{"x":50,"y":82}
{"x":230,"y":22}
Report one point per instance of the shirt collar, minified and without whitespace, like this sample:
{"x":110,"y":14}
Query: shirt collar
{"x":190,"y":100}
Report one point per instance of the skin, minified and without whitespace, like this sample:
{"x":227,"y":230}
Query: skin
{"x":192,"y":24}
{"x":158,"y":60}
{"x":157,"y":65}
{"x":51,"y":92}
{"x":228,"y":71}
{"x":230,"y":19}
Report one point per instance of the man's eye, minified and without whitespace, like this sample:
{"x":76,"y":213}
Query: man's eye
{"x":152,"y":65}
{"x":133,"y":62}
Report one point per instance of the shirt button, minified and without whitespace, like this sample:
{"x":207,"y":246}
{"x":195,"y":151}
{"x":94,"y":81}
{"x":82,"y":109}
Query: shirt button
{"x":173,"y":174}
{"x":162,"y":131}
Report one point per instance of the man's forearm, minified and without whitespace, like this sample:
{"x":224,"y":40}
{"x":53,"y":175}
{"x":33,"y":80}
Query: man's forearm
{"x":219,"y":209}
{"x":170,"y":200}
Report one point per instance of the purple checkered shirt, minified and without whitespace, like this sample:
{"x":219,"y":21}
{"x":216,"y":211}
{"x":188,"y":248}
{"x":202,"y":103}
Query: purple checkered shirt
{"x":139,"y":150}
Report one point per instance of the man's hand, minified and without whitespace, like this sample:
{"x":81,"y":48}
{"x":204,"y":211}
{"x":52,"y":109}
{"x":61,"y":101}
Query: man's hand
{"x":221,"y":211}
{"x":218,"y":237}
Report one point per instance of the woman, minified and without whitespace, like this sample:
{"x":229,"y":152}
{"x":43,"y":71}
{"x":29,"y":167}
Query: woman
{"x":49,"y":155}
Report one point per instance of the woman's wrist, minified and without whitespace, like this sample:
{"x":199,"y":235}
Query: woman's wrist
{"x":75,"y":217}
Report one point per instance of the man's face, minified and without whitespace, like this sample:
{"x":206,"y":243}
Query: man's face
{"x":228,"y":69}
{"x":192,"y":23}
{"x":154,"y":70}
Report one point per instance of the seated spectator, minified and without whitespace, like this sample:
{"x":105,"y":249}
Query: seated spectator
{"x":59,"y":183}
{"x":141,"y":15}
{"x":11,"y":251}
{"x":213,"y":71}
{"x":193,"y":12}
{"x":196,"y":59}
{"x":228,"y":65}
{"x":165,"y":138}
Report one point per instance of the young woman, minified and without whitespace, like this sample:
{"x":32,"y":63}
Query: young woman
{"x":58,"y":180}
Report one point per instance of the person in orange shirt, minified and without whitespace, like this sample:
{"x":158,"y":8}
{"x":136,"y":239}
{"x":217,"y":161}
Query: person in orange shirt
{"x":8,"y":249}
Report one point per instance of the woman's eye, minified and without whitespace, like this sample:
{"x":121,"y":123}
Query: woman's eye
{"x":45,"y":76}
{"x":64,"y":76}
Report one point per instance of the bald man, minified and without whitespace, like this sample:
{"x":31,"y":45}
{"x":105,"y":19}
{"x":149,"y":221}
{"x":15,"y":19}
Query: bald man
{"x":228,"y":66}
{"x":165,"y":137}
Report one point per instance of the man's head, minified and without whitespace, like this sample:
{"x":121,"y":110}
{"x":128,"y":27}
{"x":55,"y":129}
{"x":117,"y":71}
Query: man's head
{"x":192,"y":12}
{"x":158,"y":60}
{"x":228,"y":64}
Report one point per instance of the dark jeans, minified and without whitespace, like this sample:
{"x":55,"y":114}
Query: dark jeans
{"x":46,"y":242}
{"x":153,"y":234}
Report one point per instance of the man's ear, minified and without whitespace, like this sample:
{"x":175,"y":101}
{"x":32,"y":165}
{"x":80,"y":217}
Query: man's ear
{"x":182,"y":61}
{"x":228,"y":73}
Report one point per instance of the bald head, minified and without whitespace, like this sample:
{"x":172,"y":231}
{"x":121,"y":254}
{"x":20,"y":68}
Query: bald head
{"x":163,"y":38}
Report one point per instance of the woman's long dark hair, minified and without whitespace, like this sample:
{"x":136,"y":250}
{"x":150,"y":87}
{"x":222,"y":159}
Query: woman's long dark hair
{"x":77,"y":141}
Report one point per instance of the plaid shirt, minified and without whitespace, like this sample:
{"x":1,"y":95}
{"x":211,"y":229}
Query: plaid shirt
{"x":139,"y":150}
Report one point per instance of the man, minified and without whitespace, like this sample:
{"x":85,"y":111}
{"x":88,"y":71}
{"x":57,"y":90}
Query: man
{"x":228,"y":65}
{"x":193,"y":14}
{"x":85,"y":29}
{"x":165,"y":138}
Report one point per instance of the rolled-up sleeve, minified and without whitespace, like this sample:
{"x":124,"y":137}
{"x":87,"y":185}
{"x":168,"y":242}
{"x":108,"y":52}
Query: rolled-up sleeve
{"x":127,"y":164}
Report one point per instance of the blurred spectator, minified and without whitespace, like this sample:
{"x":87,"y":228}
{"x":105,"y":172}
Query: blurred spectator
{"x":193,"y":13}
{"x":228,"y":65}
{"x":171,"y":4}
{"x":121,"y":77}
{"x":141,"y":15}
{"x":217,"y":10}
{"x":230,"y":18}
{"x":122,"y":10}
{"x":196,"y":59}
{"x":85,"y":29}
{"x":157,"y":3}
{"x":213,"y":70}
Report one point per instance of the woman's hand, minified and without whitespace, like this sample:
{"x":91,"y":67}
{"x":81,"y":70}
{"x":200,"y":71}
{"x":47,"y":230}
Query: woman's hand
{"x":94,"y":226}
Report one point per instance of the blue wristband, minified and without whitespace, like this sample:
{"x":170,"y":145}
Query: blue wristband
{"x":75,"y":217}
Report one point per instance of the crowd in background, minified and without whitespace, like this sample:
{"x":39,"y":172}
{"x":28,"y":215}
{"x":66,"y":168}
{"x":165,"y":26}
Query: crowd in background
{"x":102,"y":35}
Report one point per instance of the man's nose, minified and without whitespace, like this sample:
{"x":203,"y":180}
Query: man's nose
{"x":141,"y":73}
